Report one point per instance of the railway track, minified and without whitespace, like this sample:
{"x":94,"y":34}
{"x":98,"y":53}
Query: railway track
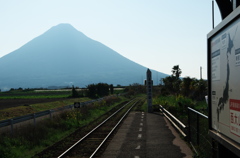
{"x":93,"y":143}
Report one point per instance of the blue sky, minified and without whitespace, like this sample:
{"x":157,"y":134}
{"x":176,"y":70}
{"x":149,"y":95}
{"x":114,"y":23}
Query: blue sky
{"x":157,"y":34}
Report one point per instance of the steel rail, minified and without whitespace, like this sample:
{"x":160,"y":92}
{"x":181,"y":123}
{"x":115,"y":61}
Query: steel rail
{"x":66,"y":151}
{"x":93,"y":154}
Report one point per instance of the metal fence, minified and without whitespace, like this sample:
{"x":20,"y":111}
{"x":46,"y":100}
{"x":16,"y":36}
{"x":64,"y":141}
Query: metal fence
{"x":30,"y":117}
{"x":33,"y":117}
{"x":175,"y":122}
{"x":195,"y":132}
{"x":198,"y":135}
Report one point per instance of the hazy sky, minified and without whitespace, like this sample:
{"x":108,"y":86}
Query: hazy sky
{"x":157,"y":34}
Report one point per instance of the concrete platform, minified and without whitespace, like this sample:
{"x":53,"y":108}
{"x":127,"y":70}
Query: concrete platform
{"x":147,"y":135}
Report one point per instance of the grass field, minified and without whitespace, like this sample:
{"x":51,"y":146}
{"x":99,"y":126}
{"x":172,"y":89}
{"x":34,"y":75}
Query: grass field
{"x":22,"y":102}
{"x":21,"y":94}
{"x":11,"y":112}
{"x":31,"y":140}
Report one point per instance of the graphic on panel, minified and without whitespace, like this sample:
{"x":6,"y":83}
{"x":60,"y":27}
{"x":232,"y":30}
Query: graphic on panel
{"x":223,"y":100}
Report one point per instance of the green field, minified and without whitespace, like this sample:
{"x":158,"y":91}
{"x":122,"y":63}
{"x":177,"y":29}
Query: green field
{"x":35,"y":94}
{"x":27,"y":142}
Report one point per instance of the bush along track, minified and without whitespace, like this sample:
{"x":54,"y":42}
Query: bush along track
{"x":26,"y":142}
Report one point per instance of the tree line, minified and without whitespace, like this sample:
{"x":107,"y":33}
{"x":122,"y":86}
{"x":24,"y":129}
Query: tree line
{"x":188,"y":87}
{"x":94,"y":90}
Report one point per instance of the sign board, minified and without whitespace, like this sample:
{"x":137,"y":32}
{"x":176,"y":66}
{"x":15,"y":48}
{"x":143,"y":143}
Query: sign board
{"x":224,"y":77}
{"x":77,"y":105}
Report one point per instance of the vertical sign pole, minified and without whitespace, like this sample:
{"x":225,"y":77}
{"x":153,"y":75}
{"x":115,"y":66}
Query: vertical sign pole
{"x":149,"y":90}
{"x":212,"y":14}
{"x":234,"y":2}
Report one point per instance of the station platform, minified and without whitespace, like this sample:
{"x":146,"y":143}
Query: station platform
{"x":147,"y":135}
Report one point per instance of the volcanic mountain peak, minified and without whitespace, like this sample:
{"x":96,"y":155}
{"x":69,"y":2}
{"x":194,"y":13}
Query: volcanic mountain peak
{"x":64,"y":55}
{"x":64,"y":29}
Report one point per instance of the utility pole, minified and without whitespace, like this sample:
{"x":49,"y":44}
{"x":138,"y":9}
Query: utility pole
{"x":200,"y":72}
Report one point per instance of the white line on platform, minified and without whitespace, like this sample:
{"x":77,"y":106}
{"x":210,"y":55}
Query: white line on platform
{"x":138,"y":147}
{"x":139,"y":135}
{"x":141,"y":124}
{"x":140,"y":129}
{"x":136,"y":157}
{"x":141,"y":119}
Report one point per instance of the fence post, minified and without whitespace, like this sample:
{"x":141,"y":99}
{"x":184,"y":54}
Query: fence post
{"x":198,"y":129}
{"x":11,"y":122}
{"x":50,"y":112}
{"x":189,"y":127}
{"x":34,"y":119}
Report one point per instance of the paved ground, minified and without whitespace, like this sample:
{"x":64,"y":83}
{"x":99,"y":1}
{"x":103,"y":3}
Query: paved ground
{"x":147,"y":135}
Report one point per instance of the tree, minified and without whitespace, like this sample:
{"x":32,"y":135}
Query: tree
{"x":168,"y":83}
{"x":98,"y":90}
{"x":189,"y":87}
{"x":111,"y":88}
{"x":102,"y":89}
{"x":176,"y":71}
{"x":172,"y":83}
{"x":74,"y":92}
{"x":200,"y":89}
{"x":135,"y":88}
{"x":194,"y":88}
{"x":92,"y":90}
{"x":186,"y":86}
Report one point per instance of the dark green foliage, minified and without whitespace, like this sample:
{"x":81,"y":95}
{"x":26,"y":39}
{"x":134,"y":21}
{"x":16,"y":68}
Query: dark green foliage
{"x":111,"y":88}
{"x":200,"y":90}
{"x":176,"y":71}
{"x":74,"y":93}
{"x":92,"y":90}
{"x":188,"y":87}
{"x":169,"y":84}
{"x":172,"y":83}
{"x":135,"y":88}
{"x":102,"y":89}
{"x":12,"y":89}
{"x":98,"y":90}
{"x":193,"y":88}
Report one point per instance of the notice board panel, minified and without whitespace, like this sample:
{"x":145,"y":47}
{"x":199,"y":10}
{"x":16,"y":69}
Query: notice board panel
{"x":224,"y":77}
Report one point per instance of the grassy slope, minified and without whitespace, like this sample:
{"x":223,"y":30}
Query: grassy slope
{"x":24,"y":110}
{"x":31,"y":140}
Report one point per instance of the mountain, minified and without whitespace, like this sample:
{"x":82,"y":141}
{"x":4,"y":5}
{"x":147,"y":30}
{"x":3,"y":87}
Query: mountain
{"x":63,"y":56}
